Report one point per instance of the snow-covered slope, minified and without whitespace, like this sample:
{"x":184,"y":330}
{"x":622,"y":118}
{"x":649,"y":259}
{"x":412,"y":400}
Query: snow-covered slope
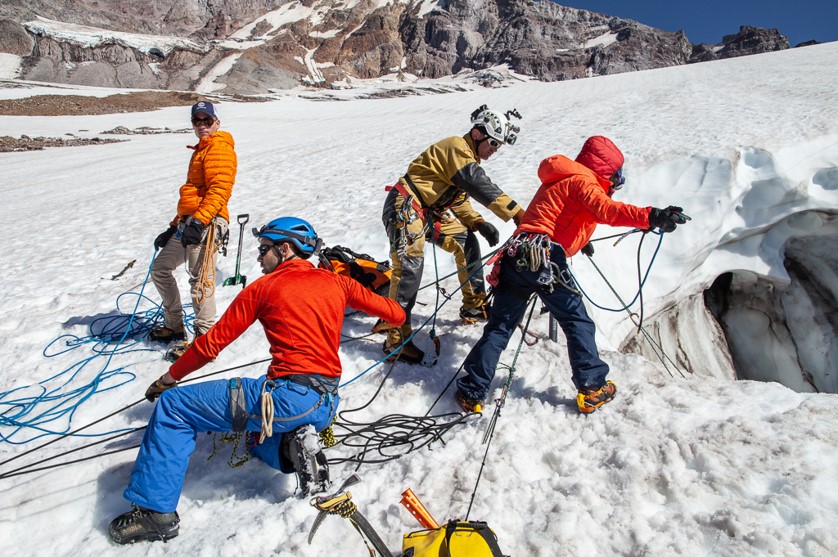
{"x":676,"y":465}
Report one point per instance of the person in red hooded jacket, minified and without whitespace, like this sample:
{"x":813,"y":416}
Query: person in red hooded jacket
{"x":573,"y":198}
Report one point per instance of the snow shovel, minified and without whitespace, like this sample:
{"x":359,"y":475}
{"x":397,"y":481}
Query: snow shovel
{"x":238,"y":279}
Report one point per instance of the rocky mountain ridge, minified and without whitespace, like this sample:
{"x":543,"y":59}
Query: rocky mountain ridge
{"x":260,"y":46}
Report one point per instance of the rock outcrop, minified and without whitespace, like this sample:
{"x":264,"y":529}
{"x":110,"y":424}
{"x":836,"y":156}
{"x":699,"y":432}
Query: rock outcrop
{"x":256,"y":46}
{"x":749,"y":40}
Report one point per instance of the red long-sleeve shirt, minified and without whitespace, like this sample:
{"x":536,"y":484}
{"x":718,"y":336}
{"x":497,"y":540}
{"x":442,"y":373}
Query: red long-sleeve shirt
{"x":301,"y":309}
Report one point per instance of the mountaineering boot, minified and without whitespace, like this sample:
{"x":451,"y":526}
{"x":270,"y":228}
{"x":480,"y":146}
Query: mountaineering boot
{"x":470,"y":405}
{"x":302,"y":447}
{"x":589,"y":400}
{"x":164,"y":334}
{"x":141,"y":524}
{"x":470,"y":316}
{"x":408,"y":352}
{"x":176,"y":351}
{"x":381,"y":326}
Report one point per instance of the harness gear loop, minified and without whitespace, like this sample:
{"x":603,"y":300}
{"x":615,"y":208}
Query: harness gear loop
{"x":238,"y":407}
{"x":531,"y":252}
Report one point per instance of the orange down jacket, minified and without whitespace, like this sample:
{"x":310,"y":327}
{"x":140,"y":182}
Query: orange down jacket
{"x":301,"y":310}
{"x":573,"y":197}
{"x":209,"y":180}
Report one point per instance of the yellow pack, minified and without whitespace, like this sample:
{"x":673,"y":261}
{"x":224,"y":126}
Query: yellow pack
{"x":455,"y":539}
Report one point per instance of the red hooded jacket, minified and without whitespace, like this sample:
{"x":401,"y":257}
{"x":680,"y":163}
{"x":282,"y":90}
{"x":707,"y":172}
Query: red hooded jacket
{"x":573,"y":197}
{"x":301,"y":309}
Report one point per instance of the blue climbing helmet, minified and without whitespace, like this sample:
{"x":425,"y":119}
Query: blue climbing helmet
{"x":291,"y":229}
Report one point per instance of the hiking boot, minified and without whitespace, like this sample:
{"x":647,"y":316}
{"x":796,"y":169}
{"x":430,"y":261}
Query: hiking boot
{"x":381,"y":326}
{"x":141,"y":524}
{"x":470,"y":405}
{"x":164,"y":334}
{"x":408,"y":352}
{"x":589,"y":400}
{"x":473,"y":315}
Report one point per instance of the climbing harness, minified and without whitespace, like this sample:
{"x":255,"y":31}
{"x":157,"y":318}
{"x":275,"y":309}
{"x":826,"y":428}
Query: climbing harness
{"x":531,"y":252}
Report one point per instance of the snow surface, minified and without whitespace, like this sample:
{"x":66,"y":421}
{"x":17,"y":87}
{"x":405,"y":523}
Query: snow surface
{"x":208,"y":84}
{"x":674,"y":466}
{"x":602,"y":40}
{"x":9,"y":65}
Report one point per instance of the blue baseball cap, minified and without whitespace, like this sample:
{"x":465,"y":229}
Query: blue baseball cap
{"x":205,"y":107}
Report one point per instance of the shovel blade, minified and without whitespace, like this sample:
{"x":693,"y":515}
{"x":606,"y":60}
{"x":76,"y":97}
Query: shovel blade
{"x":233,"y":281}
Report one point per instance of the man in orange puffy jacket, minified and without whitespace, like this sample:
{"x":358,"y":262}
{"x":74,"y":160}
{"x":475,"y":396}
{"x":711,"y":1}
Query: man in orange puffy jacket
{"x":197,"y":231}
{"x":573,"y":198}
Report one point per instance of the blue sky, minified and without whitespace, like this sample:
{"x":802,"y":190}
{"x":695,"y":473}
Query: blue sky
{"x":707,"y":21}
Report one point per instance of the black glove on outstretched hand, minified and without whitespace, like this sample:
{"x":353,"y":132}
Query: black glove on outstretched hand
{"x":192,"y":233}
{"x":163,"y":239}
{"x":588,"y":249}
{"x":667,"y":219}
{"x":488,"y":231}
{"x":156,"y":389}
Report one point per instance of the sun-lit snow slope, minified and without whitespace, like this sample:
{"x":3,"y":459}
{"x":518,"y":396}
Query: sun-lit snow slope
{"x":674,"y":466}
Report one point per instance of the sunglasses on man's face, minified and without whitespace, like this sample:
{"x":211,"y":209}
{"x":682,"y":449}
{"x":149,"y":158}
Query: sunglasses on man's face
{"x":494,"y":143}
{"x":208,"y":122}
{"x":265,"y":248}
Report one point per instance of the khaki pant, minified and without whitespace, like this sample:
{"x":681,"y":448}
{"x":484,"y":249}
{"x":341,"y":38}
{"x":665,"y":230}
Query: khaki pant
{"x":460,"y":242}
{"x":407,"y":268}
{"x":172,"y":256}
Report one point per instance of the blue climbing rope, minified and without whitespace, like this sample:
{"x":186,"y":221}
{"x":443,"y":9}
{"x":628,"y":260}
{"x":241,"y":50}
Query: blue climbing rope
{"x":38,"y":407}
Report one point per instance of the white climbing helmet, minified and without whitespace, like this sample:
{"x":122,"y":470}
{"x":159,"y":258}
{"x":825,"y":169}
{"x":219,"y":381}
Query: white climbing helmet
{"x":496,"y":125}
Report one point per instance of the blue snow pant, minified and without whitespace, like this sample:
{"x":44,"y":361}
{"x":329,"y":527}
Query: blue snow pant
{"x":510,"y":302}
{"x":181,"y":413}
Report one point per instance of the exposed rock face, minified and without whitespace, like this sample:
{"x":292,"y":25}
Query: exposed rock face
{"x":749,"y":40}
{"x":14,"y":39}
{"x":254,"y":46}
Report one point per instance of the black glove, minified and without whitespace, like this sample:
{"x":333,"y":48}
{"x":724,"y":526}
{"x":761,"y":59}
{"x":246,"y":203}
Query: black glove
{"x":488,"y":231}
{"x":163,"y":239}
{"x":588,"y":249}
{"x":192,"y":233}
{"x":666,"y":219}
{"x":156,"y":389}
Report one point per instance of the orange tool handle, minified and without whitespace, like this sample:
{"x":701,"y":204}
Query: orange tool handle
{"x":418,"y":510}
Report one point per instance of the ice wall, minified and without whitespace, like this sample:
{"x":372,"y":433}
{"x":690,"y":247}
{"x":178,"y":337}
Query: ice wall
{"x":756,"y":270}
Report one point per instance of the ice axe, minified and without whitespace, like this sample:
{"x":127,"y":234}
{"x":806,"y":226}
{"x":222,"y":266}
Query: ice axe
{"x":238,"y":279}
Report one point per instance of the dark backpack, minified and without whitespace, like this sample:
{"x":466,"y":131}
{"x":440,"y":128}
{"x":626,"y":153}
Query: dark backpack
{"x":372,"y":274}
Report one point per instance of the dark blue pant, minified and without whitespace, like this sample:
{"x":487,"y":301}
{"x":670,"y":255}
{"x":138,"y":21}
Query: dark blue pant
{"x":508,"y":307}
{"x":181,"y":413}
